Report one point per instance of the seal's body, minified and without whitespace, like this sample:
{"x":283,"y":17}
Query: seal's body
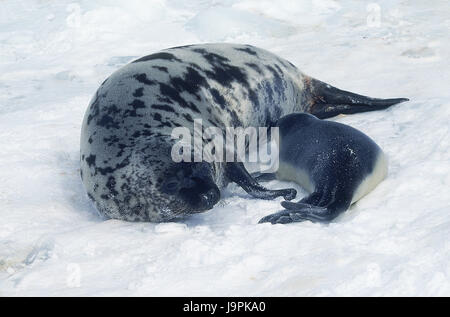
{"x":126,"y":142}
{"x":335,"y":163}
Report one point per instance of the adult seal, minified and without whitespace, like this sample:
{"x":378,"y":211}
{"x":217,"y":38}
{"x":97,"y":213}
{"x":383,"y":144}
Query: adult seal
{"x":126,"y":163}
{"x":334,"y":162}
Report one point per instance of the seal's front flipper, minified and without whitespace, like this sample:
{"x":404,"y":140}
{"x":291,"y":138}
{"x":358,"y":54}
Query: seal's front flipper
{"x":237,"y":173}
{"x":264,"y":177}
{"x":328,"y":101}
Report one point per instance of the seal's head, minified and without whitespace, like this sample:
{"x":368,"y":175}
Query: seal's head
{"x":171,"y":189}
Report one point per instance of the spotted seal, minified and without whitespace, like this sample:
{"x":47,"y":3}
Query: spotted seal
{"x":126,"y":164}
{"x":335,"y":163}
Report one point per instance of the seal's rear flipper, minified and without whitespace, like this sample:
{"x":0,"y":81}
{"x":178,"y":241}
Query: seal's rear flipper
{"x":237,"y":173}
{"x":327,"y":101}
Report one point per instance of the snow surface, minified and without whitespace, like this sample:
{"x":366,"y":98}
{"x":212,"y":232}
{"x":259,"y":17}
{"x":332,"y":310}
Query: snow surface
{"x":395,"y":241}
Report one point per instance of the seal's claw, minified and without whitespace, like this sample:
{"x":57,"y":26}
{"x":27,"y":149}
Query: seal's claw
{"x":301,"y":211}
{"x":281,"y":217}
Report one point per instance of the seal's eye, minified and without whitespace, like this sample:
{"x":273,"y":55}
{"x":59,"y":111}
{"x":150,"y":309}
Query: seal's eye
{"x":171,"y":186}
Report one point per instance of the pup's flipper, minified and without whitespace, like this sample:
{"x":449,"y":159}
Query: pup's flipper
{"x":237,"y":173}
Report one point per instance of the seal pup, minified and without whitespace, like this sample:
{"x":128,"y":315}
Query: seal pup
{"x":125,"y":156}
{"x":335,"y":163}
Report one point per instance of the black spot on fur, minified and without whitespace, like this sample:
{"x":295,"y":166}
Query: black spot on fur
{"x":211,"y":57}
{"x":157,"y":117}
{"x":113,"y":139}
{"x":111,"y":110}
{"x":227,"y":74}
{"x":267,"y":88}
{"x":223,"y":72}
{"x":192,"y":76}
{"x":188,"y":117}
{"x":109,"y":169}
{"x":111,"y":185}
{"x":218,"y":98}
{"x":193,"y":107}
{"x":278,"y":81}
{"x":142,"y":78}
{"x":138,"y":92}
{"x":90,"y":160}
{"x":164,"y":99}
{"x":280,"y":71}
{"x":194,"y":65}
{"x":165,"y":108}
{"x":136,"y":134}
{"x":122,"y":148}
{"x":136,"y":104}
{"x":182,"y":85}
{"x":147,"y":132}
{"x":235,"y":121}
{"x":162,"y":55}
{"x":164,"y":124}
{"x":246,"y":50}
{"x":161,"y":68}
{"x":214,"y":123}
{"x":253,"y":98}
{"x":108,"y":122}
{"x":191,"y":82}
{"x":255,"y":67}
{"x":125,"y":187}
{"x":174,"y":94}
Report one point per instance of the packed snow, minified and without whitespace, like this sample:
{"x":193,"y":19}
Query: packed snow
{"x":395,"y":241}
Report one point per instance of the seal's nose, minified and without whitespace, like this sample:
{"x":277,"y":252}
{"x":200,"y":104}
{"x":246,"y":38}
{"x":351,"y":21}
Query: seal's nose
{"x":199,"y":193}
{"x":209,"y":198}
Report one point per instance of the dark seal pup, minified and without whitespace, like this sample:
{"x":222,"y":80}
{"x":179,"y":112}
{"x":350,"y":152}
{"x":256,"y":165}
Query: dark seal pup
{"x":334,"y":162}
{"x":126,"y":163}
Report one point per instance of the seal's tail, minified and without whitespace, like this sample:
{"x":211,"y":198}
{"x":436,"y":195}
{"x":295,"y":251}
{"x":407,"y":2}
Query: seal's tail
{"x":326,"y":101}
